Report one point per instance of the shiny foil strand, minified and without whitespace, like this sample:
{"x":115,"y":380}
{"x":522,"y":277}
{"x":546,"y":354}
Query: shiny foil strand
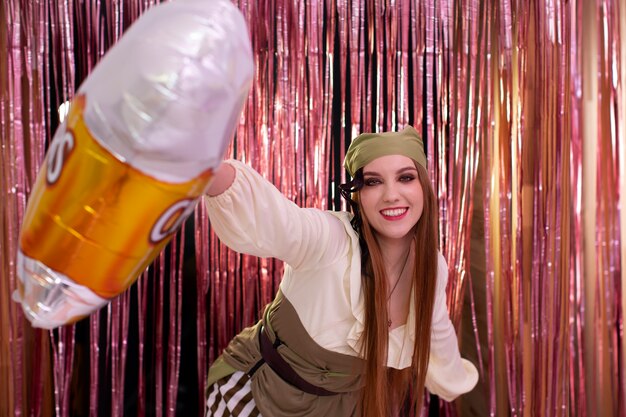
{"x":541,"y":290}
{"x":276,"y":148}
{"x":159,"y":360}
{"x":491,"y":261}
{"x":446,"y":144}
{"x":296,"y":94}
{"x":201,"y":233}
{"x":281,"y":167}
{"x":472,"y":166}
{"x":298,"y":153}
{"x":12,"y":342}
{"x":621,"y":62}
{"x":16,"y":338}
{"x":142,"y":300}
{"x":430,"y":23}
{"x":16,"y":180}
{"x":378,"y":41}
{"x":356,"y":40}
{"x":175,"y":322}
{"x":391,"y":48}
{"x":438,"y":143}
{"x":311,"y":105}
{"x":94,"y":361}
{"x":217,"y":306}
{"x":606,"y":217}
{"x":484,"y":123}
{"x":119,"y":335}
{"x":493,"y":251}
{"x":618,"y":148}
{"x":577,"y":393}
{"x":620,"y":59}
{"x":114,"y":354}
{"x":402,"y":69}
{"x":373,"y":33}
{"x":344,"y":28}
{"x":523,"y":188}
{"x":560,"y":239}
{"x":37,"y":79}
{"x":29,"y":354}
{"x":417,"y":41}
{"x":539,"y":257}
{"x":63,"y":359}
{"x":363,"y":46}
{"x":329,"y":53}
{"x":510,"y":283}
{"x":466,"y":161}
{"x":125,"y":317}
{"x":447,"y":150}
{"x":368,"y":31}
{"x":563,"y":405}
{"x":486,"y":118}
{"x":514,"y":37}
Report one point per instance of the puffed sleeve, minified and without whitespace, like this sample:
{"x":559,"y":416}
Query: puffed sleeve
{"x":253,"y":217}
{"x":448,"y":374}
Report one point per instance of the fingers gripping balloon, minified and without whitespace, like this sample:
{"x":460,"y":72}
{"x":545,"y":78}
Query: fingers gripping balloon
{"x":137,"y":150}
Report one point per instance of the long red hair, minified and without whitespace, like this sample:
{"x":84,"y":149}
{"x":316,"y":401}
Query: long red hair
{"x":387,"y":391}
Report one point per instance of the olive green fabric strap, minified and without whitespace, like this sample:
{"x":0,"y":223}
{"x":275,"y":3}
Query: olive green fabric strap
{"x":218,"y":370}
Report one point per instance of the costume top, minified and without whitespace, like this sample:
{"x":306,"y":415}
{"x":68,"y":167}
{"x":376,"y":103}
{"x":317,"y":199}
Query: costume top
{"x":322,"y":276}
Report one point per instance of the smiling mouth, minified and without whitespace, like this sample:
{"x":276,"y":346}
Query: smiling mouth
{"x":395,"y":213}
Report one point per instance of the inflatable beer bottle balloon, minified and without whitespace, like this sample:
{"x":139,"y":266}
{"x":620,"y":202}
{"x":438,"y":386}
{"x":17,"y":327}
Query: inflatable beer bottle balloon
{"x":137,"y":150}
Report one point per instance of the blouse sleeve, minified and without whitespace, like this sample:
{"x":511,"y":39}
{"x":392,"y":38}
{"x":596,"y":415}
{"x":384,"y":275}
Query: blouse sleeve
{"x":253,"y":217}
{"x":448,"y":375}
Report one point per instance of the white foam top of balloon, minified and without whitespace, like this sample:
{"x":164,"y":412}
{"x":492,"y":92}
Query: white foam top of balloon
{"x":166,"y":98}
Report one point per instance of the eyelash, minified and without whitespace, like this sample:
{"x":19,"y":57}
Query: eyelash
{"x":369,"y":182}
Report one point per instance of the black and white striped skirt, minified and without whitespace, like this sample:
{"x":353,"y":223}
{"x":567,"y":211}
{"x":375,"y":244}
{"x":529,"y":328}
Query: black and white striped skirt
{"x":231,"y":396}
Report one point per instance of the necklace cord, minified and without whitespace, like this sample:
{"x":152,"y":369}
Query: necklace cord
{"x":406,"y":260}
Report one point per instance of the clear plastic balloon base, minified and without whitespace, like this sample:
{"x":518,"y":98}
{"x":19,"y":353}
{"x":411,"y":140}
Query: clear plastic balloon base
{"x":50,"y":299}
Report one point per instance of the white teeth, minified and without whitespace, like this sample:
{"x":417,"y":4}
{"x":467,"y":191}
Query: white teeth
{"x":393,"y":212}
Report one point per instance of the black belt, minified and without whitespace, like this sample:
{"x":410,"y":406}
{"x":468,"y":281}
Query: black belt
{"x":279,"y":365}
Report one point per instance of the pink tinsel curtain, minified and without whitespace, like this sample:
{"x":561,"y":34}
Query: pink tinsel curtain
{"x":523,"y":111}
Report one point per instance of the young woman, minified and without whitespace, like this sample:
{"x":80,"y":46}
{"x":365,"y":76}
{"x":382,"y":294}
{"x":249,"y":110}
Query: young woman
{"x":359,"y":326}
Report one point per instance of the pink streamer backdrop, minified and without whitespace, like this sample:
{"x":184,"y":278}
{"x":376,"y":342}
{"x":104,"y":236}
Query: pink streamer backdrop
{"x":510,"y":97}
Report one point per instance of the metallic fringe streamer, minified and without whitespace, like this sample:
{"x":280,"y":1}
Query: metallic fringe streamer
{"x":522,"y":100}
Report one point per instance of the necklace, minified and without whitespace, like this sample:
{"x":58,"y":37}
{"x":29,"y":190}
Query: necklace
{"x":406,"y":260}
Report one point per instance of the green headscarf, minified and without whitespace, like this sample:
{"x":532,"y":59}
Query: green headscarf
{"x":368,"y":146}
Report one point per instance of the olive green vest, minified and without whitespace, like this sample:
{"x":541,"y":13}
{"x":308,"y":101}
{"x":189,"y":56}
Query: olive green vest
{"x":274,"y":397}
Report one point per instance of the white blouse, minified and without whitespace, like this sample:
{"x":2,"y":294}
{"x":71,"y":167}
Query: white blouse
{"x":322,"y":277}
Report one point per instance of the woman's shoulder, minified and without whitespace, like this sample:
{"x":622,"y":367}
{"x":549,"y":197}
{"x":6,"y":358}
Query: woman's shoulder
{"x":345,"y":219}
{"x":344,"y":216}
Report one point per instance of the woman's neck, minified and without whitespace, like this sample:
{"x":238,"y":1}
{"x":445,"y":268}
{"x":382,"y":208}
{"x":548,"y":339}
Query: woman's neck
{"x":395,"y":253}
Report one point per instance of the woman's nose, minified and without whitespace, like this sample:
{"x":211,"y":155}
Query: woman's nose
{"x":390,"y":193}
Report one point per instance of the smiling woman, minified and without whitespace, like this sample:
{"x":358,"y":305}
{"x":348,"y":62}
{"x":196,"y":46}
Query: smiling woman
{"x":359,"y":326}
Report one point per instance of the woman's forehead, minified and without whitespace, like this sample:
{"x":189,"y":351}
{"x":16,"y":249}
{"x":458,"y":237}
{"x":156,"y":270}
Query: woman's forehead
{"x":389,"y":163}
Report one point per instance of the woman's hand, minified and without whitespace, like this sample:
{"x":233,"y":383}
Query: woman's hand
{"x":223,"y":179}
